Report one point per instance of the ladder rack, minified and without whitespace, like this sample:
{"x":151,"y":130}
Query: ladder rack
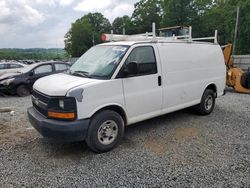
{"x":151,"y":36}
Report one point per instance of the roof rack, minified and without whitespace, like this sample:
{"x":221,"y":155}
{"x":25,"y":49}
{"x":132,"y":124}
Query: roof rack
{"x":151,"y":36}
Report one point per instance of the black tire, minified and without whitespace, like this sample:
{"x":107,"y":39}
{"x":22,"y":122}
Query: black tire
{"x":207,"y":103}
{"x":245,"y":80}
{"x":97,"y":140}
{"x":22,"y":91}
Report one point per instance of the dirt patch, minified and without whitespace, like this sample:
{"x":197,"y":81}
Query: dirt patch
{"x":156,"y":146}
{"x":171,"y":142}
{"x":13,"y":130}
{"x":186,"y":133}
{"x":3,"y":129}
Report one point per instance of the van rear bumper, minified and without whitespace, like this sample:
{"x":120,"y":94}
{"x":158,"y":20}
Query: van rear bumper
{"x":68,"y":131}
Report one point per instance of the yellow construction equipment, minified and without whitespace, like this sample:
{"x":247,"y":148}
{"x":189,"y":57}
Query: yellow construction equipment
{"x":236,"y":77}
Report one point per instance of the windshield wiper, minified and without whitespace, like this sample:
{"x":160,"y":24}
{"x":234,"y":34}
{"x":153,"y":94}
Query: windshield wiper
{"x":81,"y":73}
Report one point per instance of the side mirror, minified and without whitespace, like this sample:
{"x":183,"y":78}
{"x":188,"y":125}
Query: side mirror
{"x":31,"y":73}
{"x":132,"y":68}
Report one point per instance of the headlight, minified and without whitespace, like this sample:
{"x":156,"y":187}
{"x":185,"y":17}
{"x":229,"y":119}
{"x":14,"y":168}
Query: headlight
{"x":62,"y":108}
{"x":61,"y":104}
{"x":7,"y":81}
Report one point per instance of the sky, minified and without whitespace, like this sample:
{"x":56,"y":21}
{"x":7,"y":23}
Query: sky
{"x":43,"y":23}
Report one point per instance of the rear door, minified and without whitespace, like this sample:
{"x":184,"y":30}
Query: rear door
{"x":3,"y":66}
{"x":15,"y":66}
{"x":61,"y":67}
{"x":143,"y":91}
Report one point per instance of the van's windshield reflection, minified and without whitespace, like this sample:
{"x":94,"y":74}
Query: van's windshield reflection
{"x":99,"y":61}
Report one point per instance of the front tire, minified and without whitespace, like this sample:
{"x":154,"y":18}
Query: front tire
{"x":207,"y":103}
{"x":105,"y":131}
{"x":23,"y":91}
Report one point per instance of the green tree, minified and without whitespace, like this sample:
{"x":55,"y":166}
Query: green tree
{"x":99,"y":24}
{"x":85,"y":32}
{"x":122,"y":22}
{"x":243,"y":39}
{"x":222,"y":16}
{"x":146,"y":12}
{"x":79,"y":38}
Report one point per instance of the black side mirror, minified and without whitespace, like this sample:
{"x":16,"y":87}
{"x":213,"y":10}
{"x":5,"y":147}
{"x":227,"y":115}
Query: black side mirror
{"x":31,"y":73}
{"x":132,"y":68}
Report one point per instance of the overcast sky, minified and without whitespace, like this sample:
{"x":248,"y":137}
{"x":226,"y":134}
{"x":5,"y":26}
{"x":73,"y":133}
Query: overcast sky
{"x":43,"y":23}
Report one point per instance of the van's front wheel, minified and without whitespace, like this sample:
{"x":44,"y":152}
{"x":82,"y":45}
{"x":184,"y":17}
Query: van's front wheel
{"x":207,"y":103}
{"x":105,"y":131}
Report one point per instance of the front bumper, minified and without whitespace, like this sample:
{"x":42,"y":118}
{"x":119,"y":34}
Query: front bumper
{"x":6,"y":89}
{"x":68,"y":131}
{"x":3,"y":87}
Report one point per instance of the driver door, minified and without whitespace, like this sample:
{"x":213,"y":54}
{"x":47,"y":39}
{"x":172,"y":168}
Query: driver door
{"x":40,"y":71}
{"x":143,"y":90}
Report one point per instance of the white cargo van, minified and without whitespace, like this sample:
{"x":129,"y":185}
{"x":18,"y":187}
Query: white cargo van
{"x":120,"y":83}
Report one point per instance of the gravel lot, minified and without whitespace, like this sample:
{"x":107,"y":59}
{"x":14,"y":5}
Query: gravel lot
{"x":176,"y":150}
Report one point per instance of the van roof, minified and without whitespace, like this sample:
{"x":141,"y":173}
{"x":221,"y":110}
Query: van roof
{"x":123,"y":43}
{"x":130,"y":43}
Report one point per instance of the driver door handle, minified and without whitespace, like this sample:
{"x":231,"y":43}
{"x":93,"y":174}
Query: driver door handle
{"x":159,"y":81}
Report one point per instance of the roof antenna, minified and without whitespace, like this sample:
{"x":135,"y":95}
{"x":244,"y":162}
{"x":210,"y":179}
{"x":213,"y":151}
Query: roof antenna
{"x":153,"y":31}
{"x":216,"y":37}
{"x":190,"y":34}
{"x":112,"y":32}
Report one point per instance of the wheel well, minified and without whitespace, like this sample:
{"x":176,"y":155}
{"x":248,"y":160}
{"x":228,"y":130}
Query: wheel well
{"x":213,"y":88}
{"x":117,"y":109}
{"x":22,"y":84}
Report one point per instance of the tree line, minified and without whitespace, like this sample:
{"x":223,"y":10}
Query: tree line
{"x":32,"y":54}
{"x":204,"y":16}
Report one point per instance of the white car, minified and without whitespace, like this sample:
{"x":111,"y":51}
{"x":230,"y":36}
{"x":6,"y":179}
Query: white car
{"x":120,"y":83}
{"x":10,"y":67}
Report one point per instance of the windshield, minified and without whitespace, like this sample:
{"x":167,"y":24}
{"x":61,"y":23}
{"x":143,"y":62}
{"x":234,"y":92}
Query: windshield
{"x":99,"y":61}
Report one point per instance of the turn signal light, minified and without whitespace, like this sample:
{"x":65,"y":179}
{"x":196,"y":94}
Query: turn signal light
{"x":60,"y":115}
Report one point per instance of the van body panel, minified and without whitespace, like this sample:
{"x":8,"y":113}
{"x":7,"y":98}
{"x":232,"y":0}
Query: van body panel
{"x":143,"y":97}
{"x":99,"y":95}
{"x":186,"y":74}
{"x":59,"y":84}
{"x":143,"y":94}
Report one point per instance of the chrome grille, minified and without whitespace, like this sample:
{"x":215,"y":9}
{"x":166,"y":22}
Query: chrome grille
{"x":40,"y":102}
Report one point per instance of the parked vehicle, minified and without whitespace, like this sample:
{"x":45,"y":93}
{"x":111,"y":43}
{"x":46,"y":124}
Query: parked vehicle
{"x":237,"y":78}
{"x":8,"y":67}
{"x":21,"y":82}
{"x":120,"y":83}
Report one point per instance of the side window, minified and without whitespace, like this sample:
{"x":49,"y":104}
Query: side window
{"x":13,"y":66}
{"x":144,"y":57}
{"x":61,"y":67}
{"x":3,"y":66}
{"x":43,"y":69}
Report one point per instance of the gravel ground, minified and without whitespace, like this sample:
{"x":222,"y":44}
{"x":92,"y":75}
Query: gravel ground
{"x":180,"y":149}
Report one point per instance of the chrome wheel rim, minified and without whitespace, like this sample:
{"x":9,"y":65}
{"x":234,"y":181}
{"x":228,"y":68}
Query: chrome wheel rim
{"x":108,"y":132}
{"x":208,"y":102}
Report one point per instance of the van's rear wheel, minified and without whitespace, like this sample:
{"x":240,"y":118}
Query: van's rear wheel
{"x":105,"y":131}
{"x":207,"y":103}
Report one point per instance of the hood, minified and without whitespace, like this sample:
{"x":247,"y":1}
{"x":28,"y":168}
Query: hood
{"x":8,"y":75}
{"x":59,"y":84}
